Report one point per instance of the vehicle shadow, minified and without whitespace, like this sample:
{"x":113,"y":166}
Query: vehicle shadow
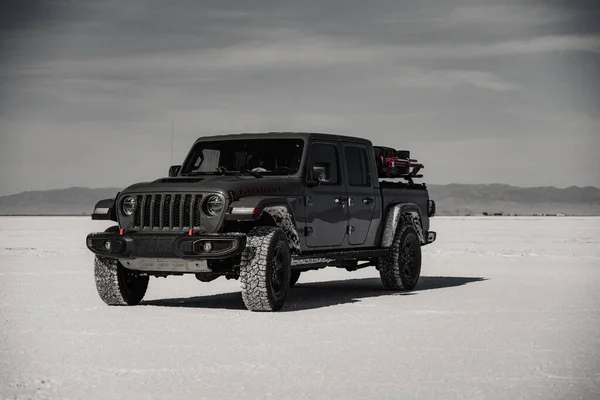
{"x":306,"y":296}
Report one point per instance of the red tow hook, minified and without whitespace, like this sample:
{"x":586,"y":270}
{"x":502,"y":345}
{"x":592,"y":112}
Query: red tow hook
{"x":121,"y":231}
{"x":195,"y":230}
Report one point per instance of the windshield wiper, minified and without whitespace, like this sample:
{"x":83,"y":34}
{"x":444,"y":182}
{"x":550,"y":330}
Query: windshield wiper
{"x":224,"y":171}
{"x":195,"y":173}
{"x":255,"y":174}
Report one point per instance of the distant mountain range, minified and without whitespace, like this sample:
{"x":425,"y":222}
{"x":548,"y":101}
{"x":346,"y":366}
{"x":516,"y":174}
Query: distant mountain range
{"x":71,"y":201}
{"x":462,"y":199}
{"x":453,"y":199}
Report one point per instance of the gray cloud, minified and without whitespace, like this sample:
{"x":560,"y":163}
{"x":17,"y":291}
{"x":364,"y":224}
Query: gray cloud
{"x":444,"y":79}
{"x":87,"y":87}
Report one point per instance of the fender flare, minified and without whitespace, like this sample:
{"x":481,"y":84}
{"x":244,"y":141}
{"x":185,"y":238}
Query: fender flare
{"x":105,"y":210}
{"x":402,"y":213}
{"x":284,"y":219}
{"x":279,"y":209}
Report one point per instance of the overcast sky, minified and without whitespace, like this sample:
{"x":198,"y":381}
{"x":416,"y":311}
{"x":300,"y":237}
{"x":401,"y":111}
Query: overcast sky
{"x":481,"y":92}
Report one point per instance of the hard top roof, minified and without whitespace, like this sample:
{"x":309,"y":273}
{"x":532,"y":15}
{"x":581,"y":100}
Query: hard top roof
{"x":276,"y":135}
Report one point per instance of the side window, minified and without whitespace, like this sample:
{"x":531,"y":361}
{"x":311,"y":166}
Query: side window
{"x":357,"y":166}
{"x":324,"y":162}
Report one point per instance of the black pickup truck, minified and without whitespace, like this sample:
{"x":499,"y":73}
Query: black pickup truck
{"x":262,"y":208}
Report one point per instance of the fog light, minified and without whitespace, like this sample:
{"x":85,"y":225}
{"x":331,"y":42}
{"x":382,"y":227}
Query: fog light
{"x":207,"y":247}
{"x":107,"y":245}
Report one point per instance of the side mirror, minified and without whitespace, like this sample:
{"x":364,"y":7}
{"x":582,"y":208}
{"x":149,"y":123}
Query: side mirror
{"x":174,"y":170}
{"x":318,"y":173}
{"x":312,"y":182}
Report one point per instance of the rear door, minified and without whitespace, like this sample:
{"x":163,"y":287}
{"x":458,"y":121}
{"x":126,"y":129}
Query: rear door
{"x":361,"y":194}
{"x":326,"y":216}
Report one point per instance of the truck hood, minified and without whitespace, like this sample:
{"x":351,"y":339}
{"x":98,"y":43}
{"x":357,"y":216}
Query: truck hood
{"x":240,"y":185}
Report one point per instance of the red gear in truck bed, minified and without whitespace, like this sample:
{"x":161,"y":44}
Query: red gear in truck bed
{"x":395,"y":163}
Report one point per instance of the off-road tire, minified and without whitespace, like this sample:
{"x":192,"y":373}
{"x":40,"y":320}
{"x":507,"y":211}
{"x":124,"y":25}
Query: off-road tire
{"x":401,"y":269}
{"x":267,"y":251}
{"x":117,"y":285}
{"x":294,"y":278}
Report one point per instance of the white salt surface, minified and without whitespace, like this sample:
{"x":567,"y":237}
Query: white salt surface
{"x":507,"y":308}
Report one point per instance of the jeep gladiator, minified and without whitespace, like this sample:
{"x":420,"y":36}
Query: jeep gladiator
{"x":262,"y":208}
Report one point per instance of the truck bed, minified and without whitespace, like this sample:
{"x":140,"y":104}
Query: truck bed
{"x":403,"y":192}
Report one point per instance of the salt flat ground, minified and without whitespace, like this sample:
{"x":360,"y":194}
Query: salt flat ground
{"x":507,"y":308}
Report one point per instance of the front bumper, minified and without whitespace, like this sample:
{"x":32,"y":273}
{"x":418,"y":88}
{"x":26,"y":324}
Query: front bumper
{"x":138,"y":245}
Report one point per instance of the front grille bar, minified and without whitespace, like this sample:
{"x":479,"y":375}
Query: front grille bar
{"x":168,"y":211}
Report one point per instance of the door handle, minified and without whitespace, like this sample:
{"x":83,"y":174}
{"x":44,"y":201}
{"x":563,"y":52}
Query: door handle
{"x":340,"y":201}
{"x":368,"y":200}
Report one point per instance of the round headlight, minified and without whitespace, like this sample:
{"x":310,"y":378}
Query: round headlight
{"x":213,"y":205}
{"x":128,"y":205}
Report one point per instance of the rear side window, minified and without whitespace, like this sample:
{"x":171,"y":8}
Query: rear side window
{"x":357,"y":166}
{"x":324,"y":163}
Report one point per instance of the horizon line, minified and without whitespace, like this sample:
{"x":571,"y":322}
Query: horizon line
{"x":426,"y":183}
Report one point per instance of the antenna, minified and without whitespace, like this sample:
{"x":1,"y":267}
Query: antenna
{"x":172,"y":134}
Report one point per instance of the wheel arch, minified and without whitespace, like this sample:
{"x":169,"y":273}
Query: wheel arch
{"x":105,"y":209}
{"x":273,"y":211}
{"x":398,"y":214}
{"x":283,"y":217}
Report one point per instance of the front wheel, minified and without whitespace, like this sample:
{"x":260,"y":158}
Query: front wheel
{"x":401,"y":268}
{"x":265,"y":269}
{"x":294,"y":278}
{"x":116,"y":285}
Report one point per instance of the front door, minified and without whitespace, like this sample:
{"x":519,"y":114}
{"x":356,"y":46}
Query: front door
{"x":326,"y":217}
{"x":361,"y":194}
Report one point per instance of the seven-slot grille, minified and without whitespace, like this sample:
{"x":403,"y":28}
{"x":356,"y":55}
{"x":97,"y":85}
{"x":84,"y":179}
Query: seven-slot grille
{"x":173,"y":211}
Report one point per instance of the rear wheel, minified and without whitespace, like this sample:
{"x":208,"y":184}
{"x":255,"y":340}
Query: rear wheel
{"x":265,"y":269}
{"x":401,"y":268}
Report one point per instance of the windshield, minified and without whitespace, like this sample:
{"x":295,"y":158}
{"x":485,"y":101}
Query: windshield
{"x":259,"y":156}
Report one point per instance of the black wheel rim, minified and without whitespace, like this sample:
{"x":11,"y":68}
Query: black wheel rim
{"x":131,"y":281}
{"x":409,"y":267}
{"x":277,"y":273}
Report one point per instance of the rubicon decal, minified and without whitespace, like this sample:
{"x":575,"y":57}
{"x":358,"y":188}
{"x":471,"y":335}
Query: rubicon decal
{"x":261,"y":190}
